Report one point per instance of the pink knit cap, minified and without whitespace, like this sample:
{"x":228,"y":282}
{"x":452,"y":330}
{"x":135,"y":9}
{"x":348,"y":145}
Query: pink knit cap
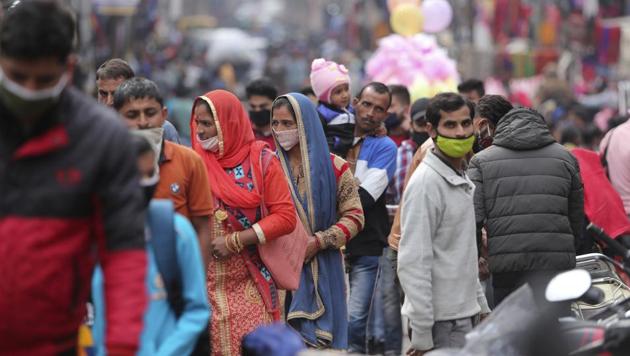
{"x":325,"y":76}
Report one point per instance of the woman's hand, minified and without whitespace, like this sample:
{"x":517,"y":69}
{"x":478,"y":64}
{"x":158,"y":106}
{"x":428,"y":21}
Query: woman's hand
{"x":312,"y":248}
{"x":219,"y":248}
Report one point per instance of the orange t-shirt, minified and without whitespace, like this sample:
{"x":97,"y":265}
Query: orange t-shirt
{"x":184,"y":181}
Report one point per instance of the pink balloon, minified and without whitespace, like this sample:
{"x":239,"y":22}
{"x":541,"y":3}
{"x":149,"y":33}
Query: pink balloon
{"x":438,"y":14}
{"x":402,"y":60}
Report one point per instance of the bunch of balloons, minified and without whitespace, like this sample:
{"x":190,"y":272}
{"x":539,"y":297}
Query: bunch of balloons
{"x":409,"y":17}
{"x":416,"y":62}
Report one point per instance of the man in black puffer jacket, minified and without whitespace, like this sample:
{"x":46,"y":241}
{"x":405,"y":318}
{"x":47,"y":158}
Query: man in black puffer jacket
{"x":529,"y":198}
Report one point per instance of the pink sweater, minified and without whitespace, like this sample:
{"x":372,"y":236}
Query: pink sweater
{"x":618,"y":156}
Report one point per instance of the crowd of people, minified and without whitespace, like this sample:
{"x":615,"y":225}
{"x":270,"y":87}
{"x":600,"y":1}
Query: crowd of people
{"x":435,"y":210}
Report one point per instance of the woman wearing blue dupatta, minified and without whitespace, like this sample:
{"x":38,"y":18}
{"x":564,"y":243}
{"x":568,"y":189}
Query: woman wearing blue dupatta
{"x":328,"y":204}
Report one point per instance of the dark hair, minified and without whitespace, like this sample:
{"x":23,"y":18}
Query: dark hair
{"x":307,"y":91}
{"x":582,"y":112}
{"x":571,"y":134}
{"x":262,"y":87}
{"x":378,"y":87}
{"x":141,"y":145}
{"x":493,"y":108}
{"x":447,"y":102}
{"x":283,"y":101}
{"x":616,"y":121}
{"x":401,"y":93}
{"x":590,"y":134}
{"x":136,"y":88}
{"x":115,"y":68}
{"x":470,"y":85}
{"x":37,"y":29}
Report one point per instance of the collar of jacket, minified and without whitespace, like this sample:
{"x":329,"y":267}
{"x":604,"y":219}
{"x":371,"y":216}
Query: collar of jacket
{"x":445,"y":171}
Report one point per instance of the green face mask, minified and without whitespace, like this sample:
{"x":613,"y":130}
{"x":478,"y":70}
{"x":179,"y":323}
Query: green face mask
{"x":455,"y":147}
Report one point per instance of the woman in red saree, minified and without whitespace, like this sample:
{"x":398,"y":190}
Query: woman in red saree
{"x":242,"y":174}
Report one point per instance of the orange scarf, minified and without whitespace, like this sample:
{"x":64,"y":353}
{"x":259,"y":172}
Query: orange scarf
{"x":236,"y":143}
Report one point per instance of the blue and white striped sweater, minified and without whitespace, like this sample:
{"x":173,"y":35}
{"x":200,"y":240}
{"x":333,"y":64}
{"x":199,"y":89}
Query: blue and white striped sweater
{"x":335,"y":116}
{"x":376,"y":165}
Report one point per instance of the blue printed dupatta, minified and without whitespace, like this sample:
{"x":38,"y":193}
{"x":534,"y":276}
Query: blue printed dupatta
{"x":318,"y":309}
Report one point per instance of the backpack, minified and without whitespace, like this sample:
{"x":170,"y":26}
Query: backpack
{"x":161,"y":221}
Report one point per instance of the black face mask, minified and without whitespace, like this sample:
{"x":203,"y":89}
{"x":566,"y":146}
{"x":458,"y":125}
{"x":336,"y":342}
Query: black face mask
{"x":419,"y":137}
{"x":392,"y":121}
{"x":260,"y":118}
{"x":483,"y":140}
{"x":148,"y":192}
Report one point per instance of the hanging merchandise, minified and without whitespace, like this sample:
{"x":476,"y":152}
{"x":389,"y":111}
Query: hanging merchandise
{"x":438,"y":15}
{"x":547,"y":33}
{"x":406,"y":19}
{"x":607,"y":40}
{"x":543,"y":56}
{"x":624,"y":57}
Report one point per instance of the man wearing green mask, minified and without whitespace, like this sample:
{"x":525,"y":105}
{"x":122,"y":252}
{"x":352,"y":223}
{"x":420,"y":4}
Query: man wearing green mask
{"x":437,"y":255}
{"x":68,"y":194}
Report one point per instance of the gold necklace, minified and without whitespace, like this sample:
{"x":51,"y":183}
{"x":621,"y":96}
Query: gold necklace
{"x":297,"y":172}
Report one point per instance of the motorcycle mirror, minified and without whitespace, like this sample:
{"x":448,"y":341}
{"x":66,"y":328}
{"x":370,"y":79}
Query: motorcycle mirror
{"x":568,"y":286}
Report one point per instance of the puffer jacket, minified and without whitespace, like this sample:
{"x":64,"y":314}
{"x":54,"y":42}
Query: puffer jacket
{"x":69,"y":196}
{"x":528,"y":196}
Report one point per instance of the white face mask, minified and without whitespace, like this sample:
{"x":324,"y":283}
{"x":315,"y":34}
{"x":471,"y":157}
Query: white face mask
{"x":155,"y":136}
{"x":287,"y":139}
{"x":33,"y":95}
{"x":151,"y":181}
{"x":211,"y":144}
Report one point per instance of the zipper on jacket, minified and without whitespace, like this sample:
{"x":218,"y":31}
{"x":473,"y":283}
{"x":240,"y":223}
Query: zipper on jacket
{"x":76,"y":285}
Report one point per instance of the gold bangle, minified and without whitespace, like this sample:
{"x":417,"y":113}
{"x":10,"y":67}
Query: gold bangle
{"x":228,"y":243}
{"x":235,"y":242}
{"x":238,"y":242}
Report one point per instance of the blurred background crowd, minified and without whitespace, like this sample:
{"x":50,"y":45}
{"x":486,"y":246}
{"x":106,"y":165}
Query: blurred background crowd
{"x":570,"y":59}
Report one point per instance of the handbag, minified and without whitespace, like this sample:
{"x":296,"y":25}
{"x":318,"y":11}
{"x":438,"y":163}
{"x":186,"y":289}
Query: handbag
{"x":284,"y":255}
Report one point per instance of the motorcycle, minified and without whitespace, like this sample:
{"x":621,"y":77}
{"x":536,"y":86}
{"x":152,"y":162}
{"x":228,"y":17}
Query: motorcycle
{"x":586,"y":312}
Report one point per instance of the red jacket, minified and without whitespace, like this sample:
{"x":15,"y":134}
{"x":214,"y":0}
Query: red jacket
{"x":69,"y":196}
{"x":602,"y":204}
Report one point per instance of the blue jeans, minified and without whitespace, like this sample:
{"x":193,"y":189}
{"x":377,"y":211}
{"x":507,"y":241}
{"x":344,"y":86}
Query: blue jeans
{"x":363,"y":275}
{"x":385,"y":322}
{"x":389,"y":290}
